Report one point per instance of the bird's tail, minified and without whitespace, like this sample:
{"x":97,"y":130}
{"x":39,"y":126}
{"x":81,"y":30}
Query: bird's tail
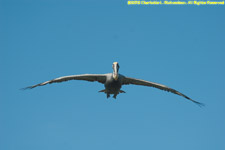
{"x":121,"y":91}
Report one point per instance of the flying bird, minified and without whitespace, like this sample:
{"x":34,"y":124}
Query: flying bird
{"x":113,"y":82}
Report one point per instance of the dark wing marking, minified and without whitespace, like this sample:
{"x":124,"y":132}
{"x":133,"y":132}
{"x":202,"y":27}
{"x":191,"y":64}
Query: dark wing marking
{"x":88,"y":77}
{"x":127,"y":80}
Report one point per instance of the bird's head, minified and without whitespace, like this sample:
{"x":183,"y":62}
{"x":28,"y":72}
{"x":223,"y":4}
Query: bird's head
{"x":115,"y":67}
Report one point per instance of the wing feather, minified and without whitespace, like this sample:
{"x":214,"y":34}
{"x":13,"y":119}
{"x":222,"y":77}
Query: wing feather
{"x":127,"y":80}
{"x":88,"y":77}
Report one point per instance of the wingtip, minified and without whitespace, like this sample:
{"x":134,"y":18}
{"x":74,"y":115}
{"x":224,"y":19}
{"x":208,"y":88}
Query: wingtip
{"x":27,"y":88}
{"x":199,"y":104}
{"x":196,"y":102}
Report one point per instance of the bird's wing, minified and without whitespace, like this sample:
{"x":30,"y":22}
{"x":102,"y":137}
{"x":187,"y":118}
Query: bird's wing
{"x":88,"y":77}
{"x":127,"y":80}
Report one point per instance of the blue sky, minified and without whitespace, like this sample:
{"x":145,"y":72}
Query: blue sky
{"x":179,"y":46}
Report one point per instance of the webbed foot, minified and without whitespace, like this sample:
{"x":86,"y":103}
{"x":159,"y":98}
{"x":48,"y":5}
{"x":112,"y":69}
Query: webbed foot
{"x":121,"y":91}
{"x":114,"y":96}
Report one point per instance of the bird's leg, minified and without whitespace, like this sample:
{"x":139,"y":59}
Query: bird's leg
{"x":108,"y":95}
{"x":102,"y":91}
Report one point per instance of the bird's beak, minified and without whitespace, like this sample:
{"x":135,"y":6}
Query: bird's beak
{"x":115,"y":71}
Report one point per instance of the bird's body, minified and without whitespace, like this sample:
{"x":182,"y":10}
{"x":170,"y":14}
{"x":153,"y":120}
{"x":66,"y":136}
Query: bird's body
{"x":113,"y":86}
{"x":113,"y":82}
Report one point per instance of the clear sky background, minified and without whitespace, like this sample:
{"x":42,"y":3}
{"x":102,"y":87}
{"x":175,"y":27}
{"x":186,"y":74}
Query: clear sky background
{"x":179,"y":46}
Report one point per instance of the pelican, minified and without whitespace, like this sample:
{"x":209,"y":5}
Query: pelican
{"x":113,"y":82}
